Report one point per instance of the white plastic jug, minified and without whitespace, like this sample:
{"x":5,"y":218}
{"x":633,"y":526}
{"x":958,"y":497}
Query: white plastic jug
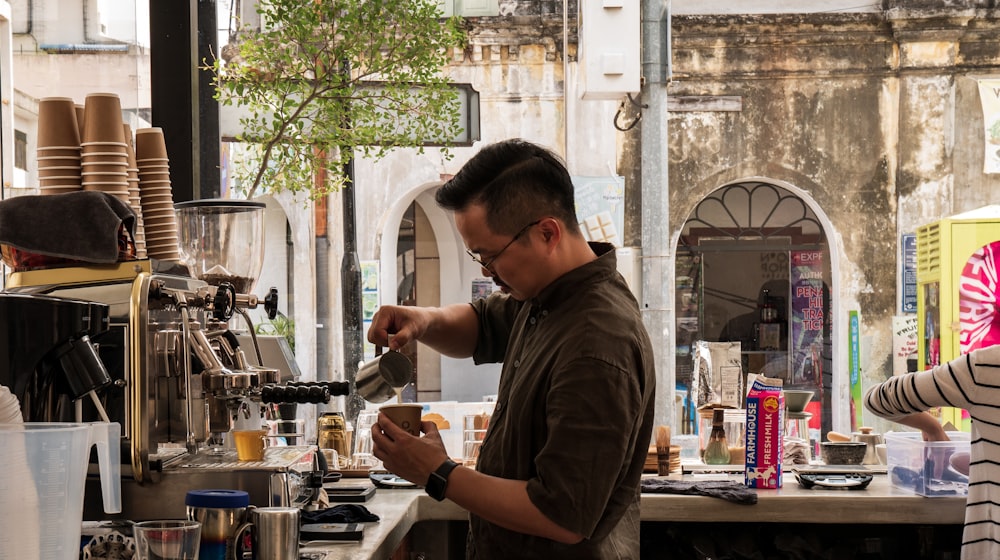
{"x":43,"y":469}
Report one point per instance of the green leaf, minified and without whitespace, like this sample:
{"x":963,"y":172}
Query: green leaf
{"x":307,"y":81}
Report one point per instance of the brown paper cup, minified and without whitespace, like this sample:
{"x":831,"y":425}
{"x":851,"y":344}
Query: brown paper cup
{"x":130,"y":147}
{"x":160,"y":239}
{"x":105,"y":179}
{"x":149,"y":143}
{"x":102,"y":118}
{"x":57,"y":170}
{"x":104,"y":166}
{"x":58,"y":151}
{"x":406,"y":416}
{"x":104,"y":155}
{"x":57,"y":125}
{"x":159,"y":226}
{"x":60,"y":181}
{"x":57,"y":190}
{"x":153,"y":167}
{"x":79,"y":117}
{"x":155,"y":218}
{"x":153,"y":178}
{"x":58,"y":162}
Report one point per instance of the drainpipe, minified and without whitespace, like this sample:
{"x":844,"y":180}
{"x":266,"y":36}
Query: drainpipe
{"x":657,"y":261}
{"x":350,"y":289}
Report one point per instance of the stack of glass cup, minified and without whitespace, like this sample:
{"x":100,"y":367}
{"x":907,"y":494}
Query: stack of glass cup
{"x":362,"y":458}
{"x":474,"y":428}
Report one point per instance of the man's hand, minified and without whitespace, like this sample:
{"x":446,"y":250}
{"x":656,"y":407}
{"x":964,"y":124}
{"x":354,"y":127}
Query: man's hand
{"x":394,"y":326}
{"x":403,"y":454}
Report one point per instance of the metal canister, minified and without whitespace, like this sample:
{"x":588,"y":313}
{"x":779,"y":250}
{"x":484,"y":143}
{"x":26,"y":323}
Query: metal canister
{"x":331,"y":429}
{"x":221,"y":513}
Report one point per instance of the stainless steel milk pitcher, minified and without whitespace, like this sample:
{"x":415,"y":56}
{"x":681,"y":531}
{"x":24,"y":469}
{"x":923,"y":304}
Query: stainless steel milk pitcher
{"x":378,"y":379}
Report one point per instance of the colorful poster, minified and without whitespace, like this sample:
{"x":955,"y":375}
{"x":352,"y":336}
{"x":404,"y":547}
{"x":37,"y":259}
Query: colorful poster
{"x":909,"y":249}
{"x":600,"y":207}
{"x":989,"y":96}
{"x":978,"y":288}
{"x":808,"y":317}
{"x":854,"y":367}
{"x":904,"y":344}
{"x":482,"y":287}
{"x":369,"y":303}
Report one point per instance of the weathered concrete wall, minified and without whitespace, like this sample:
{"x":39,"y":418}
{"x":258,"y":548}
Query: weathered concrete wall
{"x":874,"y":116}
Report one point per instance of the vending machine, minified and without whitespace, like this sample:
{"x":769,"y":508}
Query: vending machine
{"x":957,"y":289}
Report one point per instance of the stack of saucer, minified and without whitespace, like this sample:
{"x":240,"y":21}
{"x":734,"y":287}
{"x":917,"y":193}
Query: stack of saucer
{"x":133,"y":192}
{"x":104,"y":157}
{"x":58,"y":148}
{"x":156,"y":195}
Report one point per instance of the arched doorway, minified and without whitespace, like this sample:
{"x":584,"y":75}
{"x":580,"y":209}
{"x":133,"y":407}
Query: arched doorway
{"x":416,"y":236}
{"x":753,"y":269}
{"x":418,"y":277}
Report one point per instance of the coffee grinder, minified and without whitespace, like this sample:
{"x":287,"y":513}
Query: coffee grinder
{"x":179,"y":378}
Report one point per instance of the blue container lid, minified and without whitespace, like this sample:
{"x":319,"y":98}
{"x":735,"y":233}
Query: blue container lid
{"x":224,"y":499}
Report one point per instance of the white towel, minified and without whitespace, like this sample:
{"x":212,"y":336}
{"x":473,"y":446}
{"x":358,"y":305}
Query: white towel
{"x":10,"y":407}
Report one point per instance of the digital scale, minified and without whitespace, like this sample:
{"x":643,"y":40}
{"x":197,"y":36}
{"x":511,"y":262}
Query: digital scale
{"x":839,"y":477}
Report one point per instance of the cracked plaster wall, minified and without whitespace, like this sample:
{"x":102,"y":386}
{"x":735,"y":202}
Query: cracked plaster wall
{"x":875,"y":116}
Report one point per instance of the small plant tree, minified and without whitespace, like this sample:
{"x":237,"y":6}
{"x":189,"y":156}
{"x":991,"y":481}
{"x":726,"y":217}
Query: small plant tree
{"x":323,"y":78}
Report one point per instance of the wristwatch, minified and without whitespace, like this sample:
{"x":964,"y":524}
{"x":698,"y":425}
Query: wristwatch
{"x":438,"y":481}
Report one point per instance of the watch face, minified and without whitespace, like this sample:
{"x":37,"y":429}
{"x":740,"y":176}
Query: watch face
{"x":436,"y":485}
{"x":438,"y":480}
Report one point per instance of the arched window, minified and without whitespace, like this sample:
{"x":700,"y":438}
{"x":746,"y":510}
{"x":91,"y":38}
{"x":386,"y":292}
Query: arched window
{"x":753,"y":267}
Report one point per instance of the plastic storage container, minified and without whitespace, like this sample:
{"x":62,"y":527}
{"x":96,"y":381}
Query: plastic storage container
{"x":924,"y":467}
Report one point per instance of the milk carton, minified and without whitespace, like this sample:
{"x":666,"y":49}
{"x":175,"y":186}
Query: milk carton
{"x":765,"y":423}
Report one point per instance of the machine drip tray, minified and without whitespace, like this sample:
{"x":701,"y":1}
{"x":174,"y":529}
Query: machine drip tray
{"x":275,"y":458}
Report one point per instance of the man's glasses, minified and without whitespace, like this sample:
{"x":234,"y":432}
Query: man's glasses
{"x":487,"y":265}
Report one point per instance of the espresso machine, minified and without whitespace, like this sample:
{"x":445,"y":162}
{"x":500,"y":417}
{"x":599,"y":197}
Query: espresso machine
{"x":177,"y":377}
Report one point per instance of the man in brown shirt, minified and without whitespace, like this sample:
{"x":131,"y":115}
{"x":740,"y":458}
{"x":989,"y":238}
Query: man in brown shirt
{"x":558,"y":471}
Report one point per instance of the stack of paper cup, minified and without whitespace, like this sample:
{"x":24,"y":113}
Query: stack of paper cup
{"x":104,"y":157}
{"x":155,"y":194}
{"x":58,"y":148}
{"x":79,"y":117}
{"x":133,"y":192}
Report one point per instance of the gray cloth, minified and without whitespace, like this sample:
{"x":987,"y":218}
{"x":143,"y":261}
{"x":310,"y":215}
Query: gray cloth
{"x":728,"y":490}
{"x":81,"y":225}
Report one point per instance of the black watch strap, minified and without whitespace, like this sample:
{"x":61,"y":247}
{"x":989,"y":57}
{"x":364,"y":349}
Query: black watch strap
{"x":438,"y":481}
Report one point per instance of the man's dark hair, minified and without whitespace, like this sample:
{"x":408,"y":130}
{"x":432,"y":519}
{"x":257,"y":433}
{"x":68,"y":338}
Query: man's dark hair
{"x":516,"y":182}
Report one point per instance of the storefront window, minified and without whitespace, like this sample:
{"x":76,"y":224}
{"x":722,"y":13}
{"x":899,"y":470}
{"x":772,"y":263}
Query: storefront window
{"x":753,"y":277}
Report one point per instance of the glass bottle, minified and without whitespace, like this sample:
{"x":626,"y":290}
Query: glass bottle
{"x":768,"y":310}
{"x":717,"y":449}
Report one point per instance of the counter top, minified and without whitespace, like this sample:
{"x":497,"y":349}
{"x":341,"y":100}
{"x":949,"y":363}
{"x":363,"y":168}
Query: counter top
{"x":880,"y":503}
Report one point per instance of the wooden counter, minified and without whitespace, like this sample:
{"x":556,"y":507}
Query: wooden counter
{"x":401,"y":509}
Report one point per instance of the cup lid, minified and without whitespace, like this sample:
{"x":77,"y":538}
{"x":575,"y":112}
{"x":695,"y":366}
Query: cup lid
{"x":217,"y":498}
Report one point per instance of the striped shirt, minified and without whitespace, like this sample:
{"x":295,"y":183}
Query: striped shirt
{"x":972,"y":382}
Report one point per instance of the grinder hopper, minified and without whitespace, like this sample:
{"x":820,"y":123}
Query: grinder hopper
{"x":222,"y":241}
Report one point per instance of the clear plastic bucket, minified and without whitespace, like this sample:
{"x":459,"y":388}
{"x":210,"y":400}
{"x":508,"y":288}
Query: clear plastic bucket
{"x":43,"y":469}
